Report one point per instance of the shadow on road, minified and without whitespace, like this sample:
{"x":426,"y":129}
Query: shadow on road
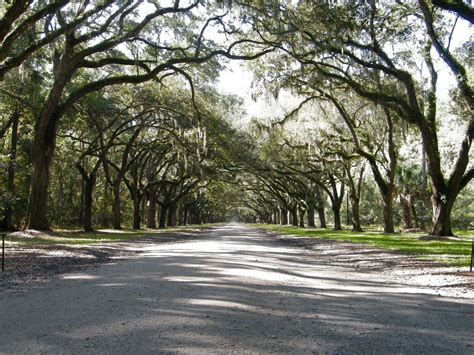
{"x":233,"y":291}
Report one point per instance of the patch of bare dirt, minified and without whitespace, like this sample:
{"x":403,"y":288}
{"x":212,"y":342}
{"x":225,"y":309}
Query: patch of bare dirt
{"x":29,"y":234}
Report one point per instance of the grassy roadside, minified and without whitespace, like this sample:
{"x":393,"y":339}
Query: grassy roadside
{"x":451,"y":252}
{"x":77,"y":237}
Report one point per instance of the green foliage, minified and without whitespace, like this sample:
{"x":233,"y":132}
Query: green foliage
{"x":358,"y":69}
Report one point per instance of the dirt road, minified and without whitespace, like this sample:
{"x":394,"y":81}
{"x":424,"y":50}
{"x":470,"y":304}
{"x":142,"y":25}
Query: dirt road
{"x":234,"y":291}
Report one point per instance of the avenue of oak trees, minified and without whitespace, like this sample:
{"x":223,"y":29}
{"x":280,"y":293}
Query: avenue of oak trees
{"x":109,"y":115}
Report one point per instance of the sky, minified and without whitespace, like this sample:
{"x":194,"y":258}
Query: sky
{"x":237,"y":79}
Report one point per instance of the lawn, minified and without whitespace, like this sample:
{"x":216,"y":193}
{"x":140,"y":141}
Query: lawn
{"x":452,"y":252}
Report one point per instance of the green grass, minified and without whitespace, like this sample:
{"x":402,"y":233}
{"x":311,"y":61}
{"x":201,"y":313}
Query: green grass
{"x":451,"y":252}
{"x":78,"y":237}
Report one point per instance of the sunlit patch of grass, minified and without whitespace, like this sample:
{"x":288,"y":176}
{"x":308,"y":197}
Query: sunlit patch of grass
{"x":452,"y":252}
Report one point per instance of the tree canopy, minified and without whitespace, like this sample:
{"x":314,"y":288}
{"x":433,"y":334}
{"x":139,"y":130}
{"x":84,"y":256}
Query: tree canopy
{"x":110,"y":114}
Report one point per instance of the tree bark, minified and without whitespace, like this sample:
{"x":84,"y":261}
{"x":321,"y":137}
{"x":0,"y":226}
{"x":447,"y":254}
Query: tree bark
{"x":38,"y":197}
{"x":143,"y":209}
{"x":320,"y":207}
{"x":81,"y":207}
{"x":284,"y":216}
{"x":310,"y":215}
{"x":172,"y":215}
{"x":163,"y":216}
{"x":301,"y":216}
{"x":7,"y":222}
{"x":185,"y":216}
{"x":336,"y":209}
{"x":151,"y":211}
{"x":355,"y":208}
{"x":322,"y":217}
{"x":88,"y":193}
{"x":44,"y":144}
{"x":136,"y":211}
{"x":269,"y":219}
{"x":444,"y":193}
{"x":442,"y":217}
{"x":294,"y":216}
{"x":88,"y":183}
{"x":116,"y":212}
{"x":387,"y":203}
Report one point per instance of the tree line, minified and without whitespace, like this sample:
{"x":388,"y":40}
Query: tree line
{"x":108,"y":108}
{"x":371,"y":71}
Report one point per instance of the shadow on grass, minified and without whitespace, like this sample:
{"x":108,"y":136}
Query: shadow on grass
{"x":78,"y":237}
{"x":453,"y":252}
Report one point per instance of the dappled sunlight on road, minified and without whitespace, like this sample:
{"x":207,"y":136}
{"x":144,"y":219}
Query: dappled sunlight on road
{"x":234,"y":291}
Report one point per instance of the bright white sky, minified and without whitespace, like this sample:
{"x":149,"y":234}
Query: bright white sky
{"x":237,"y":80}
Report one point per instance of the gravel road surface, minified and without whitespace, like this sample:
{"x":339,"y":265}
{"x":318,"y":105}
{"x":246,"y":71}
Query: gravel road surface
{"x":233,"y":291}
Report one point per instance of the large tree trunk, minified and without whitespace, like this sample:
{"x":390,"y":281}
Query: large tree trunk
{"x":88,"y":193}
{"x":268,"y":218}
{"x":143,"y":209}
{"x":136,"y":210}
{"x":355,"y":208}
{"x":322,"y":217}
{"x":44,"y":144}
{"x":387,"y":202}
{"x":310,"y":215}
{"x":320,"y":207}
{"x":81,"y":207}
{"x":163,"y":216}
{"x":284,"y":216}
{"x":444,"y":191}
{"x":442,"y":217}
{"x":191,"y":215}
{"x":172,"y":215}
{"x":386,"y":186}
{"x":176,"y":214}
{"x":185,"y":216}
{"x":336,"y":209}
{"x":88,"y":185}
{"x":37,"y":212}
{"x":294,"y":216}
{"x":105,"y":220}
{"x":151,"y":211}
{"x":337,"y":198}
{"x":116,"y":212}
{"x":7,"y":222}
{"x":301,"y":216}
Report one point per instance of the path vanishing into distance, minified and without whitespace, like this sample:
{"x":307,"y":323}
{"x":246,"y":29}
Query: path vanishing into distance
{"x":234,"y":291}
